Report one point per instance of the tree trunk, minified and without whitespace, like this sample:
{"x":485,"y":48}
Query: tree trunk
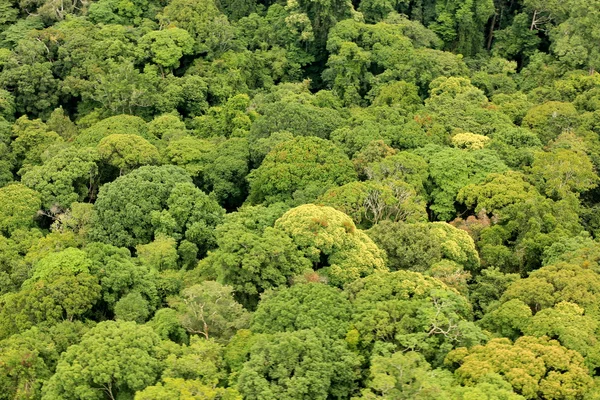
{"x":491,"y":34}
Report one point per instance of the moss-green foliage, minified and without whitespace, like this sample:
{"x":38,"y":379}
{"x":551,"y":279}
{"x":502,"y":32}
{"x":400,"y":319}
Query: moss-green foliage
{"x":299,"y":168}
{"x":281,"y":200}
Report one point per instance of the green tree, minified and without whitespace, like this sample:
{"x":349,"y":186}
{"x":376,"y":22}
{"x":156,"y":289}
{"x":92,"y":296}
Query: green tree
{"x":183,"y":362}
{"x":303,"y":306}
{"x":180,"y":389}
{"x":407,"y":375}
{"x":550,"y":119}
{"x":451,"y":169}
{"x":132,"y":307}
{"x":190,"y":214}
{"x":562,"y":172}
{"x":113,"y":359}
{"x":295,"y":365}
{"x":404,"y":166}
{"x":331,"y":241}
{"x":119,"y":274}
{"x":535,"y":367}
{"x":160,"y":254}
{"x":60,"y":288}
{"x":304,"y":164}
{"x":420,"y":246}
{"x":411,"y":312}
{"x":31,"y":140}
{"x":371,"y":202}
{"x":552,"y":284}
{"x":70,"y":176}
{"x":571,"y":327}
{"x":496,"y":192}
{"x":18,"y":208}
{"x":123,"y":211}
{"x":573,"y":38}
{"x":118,"y":124}
{"x":209,"y":309}
{"x":26,"y":362}
{"x":127,"y":152}
{"x":166,"y":47}
{"x":461,"y":24}
{"x":251,"y":255}
{"x":34,"y":87}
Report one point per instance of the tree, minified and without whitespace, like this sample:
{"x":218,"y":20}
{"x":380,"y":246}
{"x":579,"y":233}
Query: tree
{"x":526,"y":229}
{"x":298,"y":168}
{"x":550,"y":119}
{"x":127,"y":152}
{"x":113,"y":12}
{"x":34,"y":87}
{"x":183,"y":362}
{"x":25,"y":364}
{"x":297,"y":116}
{"x":18,"y":207}
{"x":553,"y":284}
{"x":167,"y":127}
{"x":117,"y":124}
{"x":303,"y":306}
{"x":371,"y":202}
{"x":60,"y":288}
{"x":561,"y":172}
{"x":295,"y":365}
{"x":70,"y":176}
{"x":516,"y":146}
{"x":200,"y":20}
{"x":488,"y":289}
{"x":572,"y":38}
{"x":404,"y":166}
{"x":31,"y":139}
{"x":192,"y":154}
{"x":119,"y":274}
{"x":461,"y":24}
{"x":470,"y":141}
{"x":331,"y":241}
{"x":407,"y":375}
{"x":225,"y":175}
{"x":123,"y":211}
{"x":166,"y":47}
{"x":180,"y":389}
{"x":535,"y":367}
{"x":252,"y":256}
{"x":113,"y":359}
{"x":451,"y":169}
{"x":208,"y":309}
{"x":456,"y":105}
{"x":190,"y":214}
{"x":567,"y":323}
{"x":160,"y":254}
{"x":132,"y":307}
{"x":496,"y":192}
{"x":411,"y":312}
{"x":420,"y":246}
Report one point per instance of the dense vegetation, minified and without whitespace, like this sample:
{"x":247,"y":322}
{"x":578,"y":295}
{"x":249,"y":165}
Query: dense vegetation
{"x":232,"y":199}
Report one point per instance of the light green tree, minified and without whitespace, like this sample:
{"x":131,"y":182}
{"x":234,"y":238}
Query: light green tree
{"x":113,"y":359}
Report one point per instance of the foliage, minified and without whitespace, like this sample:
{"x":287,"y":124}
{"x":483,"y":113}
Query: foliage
{"x":123,"y":211}
{"x":303,"y":306}
{"x":331,"y":241}
{"x":112,"y":358}
{"x":411,"y":312}
{"x":208,"y":309}
{"x":298,"y":168}
{"x":534,"y":367}
{"x":294,"y":199}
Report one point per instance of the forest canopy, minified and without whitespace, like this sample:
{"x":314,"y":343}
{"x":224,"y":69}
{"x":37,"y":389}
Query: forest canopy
{"x":293,"y":199}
